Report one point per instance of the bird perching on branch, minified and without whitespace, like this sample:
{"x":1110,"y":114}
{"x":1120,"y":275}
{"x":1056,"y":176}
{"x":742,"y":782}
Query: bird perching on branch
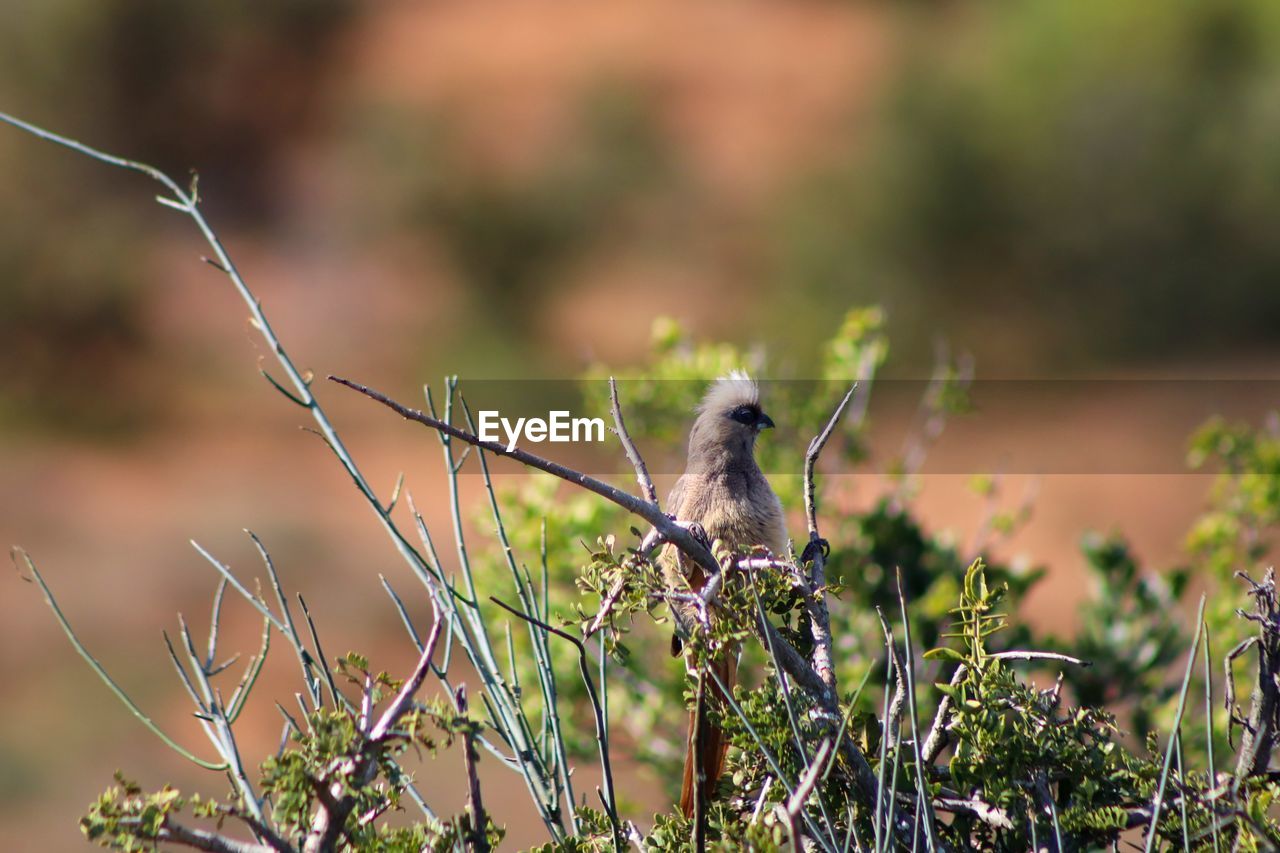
{"x":724,"y":492}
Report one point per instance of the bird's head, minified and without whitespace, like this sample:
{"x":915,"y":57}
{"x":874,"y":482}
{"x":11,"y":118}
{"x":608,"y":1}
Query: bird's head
{"x":729,"y":417}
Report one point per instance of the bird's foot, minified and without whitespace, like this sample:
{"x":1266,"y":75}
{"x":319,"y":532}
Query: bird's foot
{"x":698,"y":532}
{"x":816,"y":545}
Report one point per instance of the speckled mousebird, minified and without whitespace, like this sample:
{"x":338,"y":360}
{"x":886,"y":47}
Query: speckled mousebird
{"x":724,"y":491}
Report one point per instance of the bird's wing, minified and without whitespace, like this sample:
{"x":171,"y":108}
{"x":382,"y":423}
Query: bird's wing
{"x":676,"y":498}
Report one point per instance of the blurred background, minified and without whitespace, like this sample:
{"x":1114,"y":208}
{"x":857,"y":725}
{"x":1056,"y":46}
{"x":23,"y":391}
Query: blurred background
{"x":513,"y":190}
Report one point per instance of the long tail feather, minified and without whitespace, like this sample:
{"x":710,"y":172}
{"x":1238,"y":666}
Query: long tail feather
{"x":707,"y":744}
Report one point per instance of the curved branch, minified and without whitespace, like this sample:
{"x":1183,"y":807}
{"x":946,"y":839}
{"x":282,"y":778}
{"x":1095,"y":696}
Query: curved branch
{"x":629,"y":447}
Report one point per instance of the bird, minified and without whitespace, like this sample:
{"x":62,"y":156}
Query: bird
{"x":723,"y":492}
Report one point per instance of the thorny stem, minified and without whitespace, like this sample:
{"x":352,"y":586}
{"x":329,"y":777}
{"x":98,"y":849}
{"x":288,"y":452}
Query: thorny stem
{"x":817,"y":601}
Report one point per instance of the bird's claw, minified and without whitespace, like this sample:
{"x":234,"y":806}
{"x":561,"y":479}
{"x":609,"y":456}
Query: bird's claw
{"x":812,"y":549}
{"x":697,"y":531}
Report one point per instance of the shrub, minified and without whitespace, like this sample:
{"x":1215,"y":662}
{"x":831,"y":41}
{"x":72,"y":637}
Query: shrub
{"x":821,"y":760}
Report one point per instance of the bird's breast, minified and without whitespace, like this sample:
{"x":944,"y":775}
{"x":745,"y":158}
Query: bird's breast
{"x":742,"y":511}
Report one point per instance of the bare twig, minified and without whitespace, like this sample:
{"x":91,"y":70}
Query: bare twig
{"x":602,"y":739}
{"x":811,"y":460}
{"x":650,"y":494}
{"x":101,"y":671}
{"x":213,"y":842}
{"x":629,"y":447}
{"x":937,"y":739}
{"x":816,"y":551}
{"x":606,"y":607}
{"x":1018,"y":654}
{"x":892,"y":719}
{"x":974,"y":807}
{"x":795,"y":804}
{"x":1262,"y":729}
{"x":479,"y":836}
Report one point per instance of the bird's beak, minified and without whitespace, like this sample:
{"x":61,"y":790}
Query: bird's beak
{"x":764,"y":422}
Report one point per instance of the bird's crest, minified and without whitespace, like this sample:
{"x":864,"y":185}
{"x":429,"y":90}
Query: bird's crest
{"x":729,"y":392}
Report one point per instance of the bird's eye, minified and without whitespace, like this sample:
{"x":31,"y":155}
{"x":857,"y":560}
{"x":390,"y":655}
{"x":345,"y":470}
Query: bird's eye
{"x":743,"y":415}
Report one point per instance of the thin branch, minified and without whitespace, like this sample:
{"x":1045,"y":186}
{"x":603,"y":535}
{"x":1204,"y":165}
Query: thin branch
{"x":479,"y":836}
{"x":1018,"y":654}
{"x":795,"y":804}
{"x":404,"y":698}
{"x":816,"y":551}
{"x":937,"y":739}
{"x":606,"y":607}
{"x":102,"y":672}
{"x":672,"y":532}
{"x":1158,"y":803}
{"x":927,"y":816}
{"x":213,"y":842}
{"x":974,"y":807}
{"x":811,"y":460}
{"x":893,"y":716}
{"x":601,"y":725}
{"x":628,"y":446}
{"x":650,"y":493}
{"x":214,"y":620}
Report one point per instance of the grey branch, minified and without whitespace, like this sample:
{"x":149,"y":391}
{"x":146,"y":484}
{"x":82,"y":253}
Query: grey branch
{"x":1018,"y":654}
{"x":669,"y":530}
{"x":893,"y":719}
{"x":629,"y":447}
{"x":937,"y":739}
{"x":811,"y":460}
{"x":973,"y":807}
{"x":1262,"y":729}
{"x":817,"y":601}
{"x":213,"y":842}
{"x":646,"y":486}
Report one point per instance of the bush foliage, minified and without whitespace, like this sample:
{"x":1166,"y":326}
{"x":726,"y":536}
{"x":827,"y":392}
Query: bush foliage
{"x":956,"y":748}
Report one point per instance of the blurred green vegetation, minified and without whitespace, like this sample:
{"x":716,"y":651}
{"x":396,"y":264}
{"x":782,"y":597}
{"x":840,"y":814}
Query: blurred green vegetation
{"x":1092,"y":181}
